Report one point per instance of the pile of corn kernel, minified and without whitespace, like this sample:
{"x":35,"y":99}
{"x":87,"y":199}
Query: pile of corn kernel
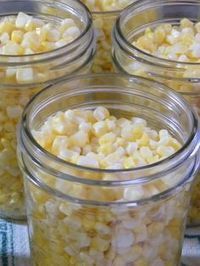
{"x":99,"y":140}
{"x":66,"y":233}
{"x":11,"y":183}
{"x":21,"y":35}
{"x":106,"y":5}
{"x":27,"y":35}
{"x":179,"y":43}
{"x":103,"y":24}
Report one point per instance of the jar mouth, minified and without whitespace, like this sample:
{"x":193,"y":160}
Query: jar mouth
{"x":185,"y":93}
{"x":177,"y":158}
{"x":133,"y":50}
{"x":23,"y":60}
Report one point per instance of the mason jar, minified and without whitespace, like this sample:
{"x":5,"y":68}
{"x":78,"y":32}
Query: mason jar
{"x":104,"y":14}
{"x":45,"y":68}
{"x":78,"y":215}
{"x":180,"y":76}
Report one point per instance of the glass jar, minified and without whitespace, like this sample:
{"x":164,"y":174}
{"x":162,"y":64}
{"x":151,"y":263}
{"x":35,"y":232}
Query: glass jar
{"x":103,"y":22}
{"x":68,"y":226}
{"x":180,"y":76}
{"x":104,"y":15}
{"x":47,"y":68}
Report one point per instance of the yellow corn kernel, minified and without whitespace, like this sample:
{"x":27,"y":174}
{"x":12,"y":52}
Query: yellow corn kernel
{"x":159,"y":35}
{"x":6,"y":26}
{"x":100,"y":244}
{"x":141,"y":262}
{"x":186,"y":23}
{"x":146,"y":43}
{"x":17,"y":36}
{"x":175,"y":144}
{"x":128,"y":163}
{"x":106,"y":149}
{"x":33,"y":24}
{"x":144,"y":140}
{"x":107,"y":138}
{"x":88,"y":222}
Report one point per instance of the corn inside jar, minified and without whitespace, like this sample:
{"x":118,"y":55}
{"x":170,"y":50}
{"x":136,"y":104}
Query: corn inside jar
{"x":108,"y":162}
{"x":152,"y":40}
{"x":36,"y":49}
{"x":104,"y":14}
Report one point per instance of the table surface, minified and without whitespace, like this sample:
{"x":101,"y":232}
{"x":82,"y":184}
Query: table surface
{"x":14,"y":245}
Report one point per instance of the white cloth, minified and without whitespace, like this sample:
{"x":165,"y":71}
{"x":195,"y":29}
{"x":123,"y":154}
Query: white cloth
{"x":14,"y":245}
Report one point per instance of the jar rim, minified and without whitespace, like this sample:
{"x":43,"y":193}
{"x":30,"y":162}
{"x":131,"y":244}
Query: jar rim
{"x":16,"y":60}
{"x":26,"y":134}
{"x":131,"y":49}
{"x":106,"y":13}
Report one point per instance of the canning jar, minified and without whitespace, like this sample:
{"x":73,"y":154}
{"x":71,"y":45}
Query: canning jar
{"x":181,"y":76}
{"x":22,"y":75}
{"x":81,"y":215}
{"x":104,"y":15}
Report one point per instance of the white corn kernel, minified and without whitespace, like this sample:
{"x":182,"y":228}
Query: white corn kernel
{"x":22,"y":19}
{"x":131,"y":148}
{"x":72,"y":31}
{"x":123,"y":239}
{"x":24,"y":75}
{"x":60,"y":142}
{"x":132,"y":194}
{"x":140,"y":121}
{"x":80,"y":138}
{"x":66,"y":23}
{"x":100,"y":128}
{"x":11,"y":48}
{"x":101,"y":113}
{"x":4,"y":38}
{"x":53,"y":35}
{"x":85,"y":126}
{"x":88,"y":162}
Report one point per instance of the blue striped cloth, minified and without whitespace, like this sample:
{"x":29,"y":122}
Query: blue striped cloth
{"x":14,"y":245}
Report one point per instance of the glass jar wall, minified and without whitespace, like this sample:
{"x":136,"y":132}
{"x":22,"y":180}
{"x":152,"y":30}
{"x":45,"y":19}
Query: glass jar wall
{"x":21,"y":76}
{"x":104,"y":15}
{"x":80,"y":215}
{"x":181,"y":76}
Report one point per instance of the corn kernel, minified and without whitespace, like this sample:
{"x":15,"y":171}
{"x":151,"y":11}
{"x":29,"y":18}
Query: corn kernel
{"x":11,"y":48}
{"x":24,"y":75}
{"x":4,"y":38}
{"x":6,"y":27}
{"x":22,"y":19}
{"x":17,"y":36}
